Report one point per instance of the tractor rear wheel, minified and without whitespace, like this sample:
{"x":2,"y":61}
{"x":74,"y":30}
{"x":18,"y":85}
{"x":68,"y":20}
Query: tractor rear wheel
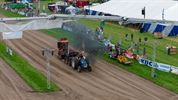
{"x":89,"y":68}
{"x":73,"y":63}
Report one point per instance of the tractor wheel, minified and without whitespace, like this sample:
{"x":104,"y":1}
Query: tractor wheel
{"x":79,"y":69}
{"x":89,"y":68}
{"x":73,"y":63}
{"x":60,"y":57}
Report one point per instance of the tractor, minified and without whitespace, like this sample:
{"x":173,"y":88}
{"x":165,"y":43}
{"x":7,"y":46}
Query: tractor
{"x":73,"y":58}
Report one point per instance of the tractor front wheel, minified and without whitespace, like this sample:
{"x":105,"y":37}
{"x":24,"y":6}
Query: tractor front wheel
{"x":73,"y":63}
{"x":79,"y":69}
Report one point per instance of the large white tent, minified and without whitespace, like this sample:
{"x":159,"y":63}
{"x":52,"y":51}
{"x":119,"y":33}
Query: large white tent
{"x":155,"y":9}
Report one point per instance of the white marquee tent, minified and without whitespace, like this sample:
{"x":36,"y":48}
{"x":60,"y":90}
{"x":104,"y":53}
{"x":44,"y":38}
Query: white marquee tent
{"x":160,"y":10}
{"x":155,"y":9}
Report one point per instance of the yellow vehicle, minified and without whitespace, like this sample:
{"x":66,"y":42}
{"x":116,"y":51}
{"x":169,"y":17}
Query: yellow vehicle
{"x":123,"y":60}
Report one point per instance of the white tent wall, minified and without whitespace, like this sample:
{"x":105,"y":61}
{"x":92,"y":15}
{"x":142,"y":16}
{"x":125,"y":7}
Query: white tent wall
{"x":152,"y":27}
{"x":132,"y":8}
{"x":167,"y":30}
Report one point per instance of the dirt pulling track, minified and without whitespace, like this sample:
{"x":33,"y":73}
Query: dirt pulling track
{"x":105,"y":82}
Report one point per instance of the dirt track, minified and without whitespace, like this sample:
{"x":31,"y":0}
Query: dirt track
{"x":12,"y":87}
{"x":106,"y":82}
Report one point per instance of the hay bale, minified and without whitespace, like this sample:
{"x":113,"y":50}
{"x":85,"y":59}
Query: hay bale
{"x":171,"y":50}
{"x":158,"y":35}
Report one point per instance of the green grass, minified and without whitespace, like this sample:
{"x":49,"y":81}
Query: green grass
{"x":9,"y":14}
{"x":32,"y":76}
{"x":164,"y":79}
{"x":118,"y":32}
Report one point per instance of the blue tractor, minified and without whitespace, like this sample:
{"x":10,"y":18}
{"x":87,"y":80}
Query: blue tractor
{"x":80,"y":63}
{"x":75,"y":59}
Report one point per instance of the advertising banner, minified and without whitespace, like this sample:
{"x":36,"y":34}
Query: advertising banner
{"x":174,"y":70}
{"x":147,"y":62}
{"x":159,"y":66}
{"x":12,"y":35}
{"x":164,"y":67}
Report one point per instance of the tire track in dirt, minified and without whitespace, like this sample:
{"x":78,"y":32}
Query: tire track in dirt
{"x":139,"y":84}
{"x":9,"y":81}
{"x":55,"y":69}
{"x":94,"y":77}
{"x":105,"y":85}
{"x":37,"y":54}
{"x":105,"y":82}
{"x":101,"y":81}
{"x":25,"y":51}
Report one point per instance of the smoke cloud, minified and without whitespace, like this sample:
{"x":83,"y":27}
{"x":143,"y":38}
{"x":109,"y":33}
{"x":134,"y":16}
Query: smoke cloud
{"x":85,"y":40}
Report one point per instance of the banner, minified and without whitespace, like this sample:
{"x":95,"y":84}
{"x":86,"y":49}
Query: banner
{"x":174,"y":70}
{"x":159,"y":66}
{"x":12,"y":35}
{"x":147,"y":62}
{"x":31,"y":25}
{"x":164,"y":67}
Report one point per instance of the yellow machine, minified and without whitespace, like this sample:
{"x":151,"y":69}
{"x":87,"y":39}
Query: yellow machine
{"x":122,"y":59}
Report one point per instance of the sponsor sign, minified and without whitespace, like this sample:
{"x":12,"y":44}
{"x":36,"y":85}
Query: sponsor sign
{"x":174,"y":70}
{"x":147,"y":62}
{"x":164,"y":67}
{"x":12,"y":35}
{"x":159,"y":66}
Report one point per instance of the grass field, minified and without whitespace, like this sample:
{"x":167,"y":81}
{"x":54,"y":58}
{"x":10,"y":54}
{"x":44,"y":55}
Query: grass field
{"x":9,"y":14}
{"x":32,"y":76}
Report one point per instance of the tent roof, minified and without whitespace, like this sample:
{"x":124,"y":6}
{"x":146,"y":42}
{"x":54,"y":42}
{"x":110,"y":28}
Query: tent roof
{"x":132,"y":9}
